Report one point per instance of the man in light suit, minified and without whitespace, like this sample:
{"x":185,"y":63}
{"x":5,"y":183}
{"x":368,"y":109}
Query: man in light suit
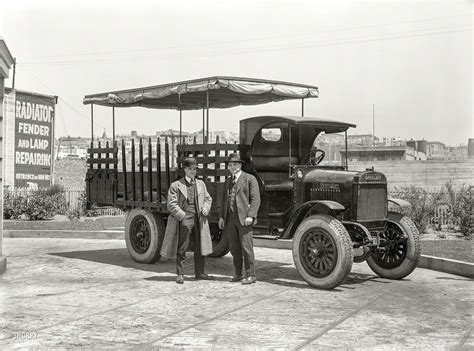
{"x":189,"y":204}
{"x":238,"y":214}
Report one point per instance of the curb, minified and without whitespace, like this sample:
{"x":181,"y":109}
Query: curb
{"x":65,"y":234}
{"x":445,"y":265}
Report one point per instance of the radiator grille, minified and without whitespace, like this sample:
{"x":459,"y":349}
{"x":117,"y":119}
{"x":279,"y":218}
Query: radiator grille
{"x":372,"y":202}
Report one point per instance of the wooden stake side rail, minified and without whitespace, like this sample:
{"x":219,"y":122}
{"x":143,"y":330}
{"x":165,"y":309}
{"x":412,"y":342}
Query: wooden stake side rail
{"x":211,"y":158}
{"x":147,"y":186}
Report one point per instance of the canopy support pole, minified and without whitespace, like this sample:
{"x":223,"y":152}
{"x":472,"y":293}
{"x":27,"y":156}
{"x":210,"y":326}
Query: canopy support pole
{"x":347,"y":166}
{"x":92,"y":124}
{"x":180,"y":125}
{"x":180,"y":119}
{"x":113,"y":124}
{"x":302,"y":107}
{"x":207,"y":122}
{"x":203,"y":125}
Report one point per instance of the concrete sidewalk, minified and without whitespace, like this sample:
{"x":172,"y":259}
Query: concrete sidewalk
{"x":61,"y":293}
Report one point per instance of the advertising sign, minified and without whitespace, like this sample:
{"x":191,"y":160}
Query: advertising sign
{"x":34,"y":116}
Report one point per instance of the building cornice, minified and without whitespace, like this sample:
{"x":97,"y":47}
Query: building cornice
{"x":6,"y":59}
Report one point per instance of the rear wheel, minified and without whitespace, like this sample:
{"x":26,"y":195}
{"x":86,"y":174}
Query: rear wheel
{"x":322,"y":251}
{"x":144,"y":232}
{"x":400,"y":248}
{"x":220,"y":241}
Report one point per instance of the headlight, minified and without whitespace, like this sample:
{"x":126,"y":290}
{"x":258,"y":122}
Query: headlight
{"x":299,"y":174}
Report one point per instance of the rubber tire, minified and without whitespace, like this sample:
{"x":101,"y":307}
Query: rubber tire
{"x":413,"y":250}
{"x":345,"y":254}
{"x":157,"y":229}
{"x":222,"y":247}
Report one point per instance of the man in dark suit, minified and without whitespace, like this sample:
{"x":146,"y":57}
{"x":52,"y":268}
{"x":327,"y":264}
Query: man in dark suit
{"x":238,"y":214}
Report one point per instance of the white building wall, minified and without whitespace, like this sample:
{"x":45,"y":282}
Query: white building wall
{"x":9,"y":138}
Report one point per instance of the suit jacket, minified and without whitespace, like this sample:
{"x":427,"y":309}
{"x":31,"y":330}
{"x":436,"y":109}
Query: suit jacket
{"x":247,"y":197}
{"x":176,"y":203}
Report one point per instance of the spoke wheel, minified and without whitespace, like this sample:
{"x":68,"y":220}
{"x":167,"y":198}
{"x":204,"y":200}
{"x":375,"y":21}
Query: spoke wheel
{"x":399,"y":249}
{"x":394,"y":251}
{"x":140,"y":234}
{"x":322,"y":251}
{"x":144,"y":232}
{"x":319,"y":252}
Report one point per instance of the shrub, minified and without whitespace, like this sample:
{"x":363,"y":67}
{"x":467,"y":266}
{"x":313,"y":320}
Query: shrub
{"x":422,"y":206}
{"x":459,"y":202}
{"x":34,"y":204}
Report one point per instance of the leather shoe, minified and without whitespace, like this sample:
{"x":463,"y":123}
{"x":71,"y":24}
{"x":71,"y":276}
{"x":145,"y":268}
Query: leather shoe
{"x":180,"y":279}
{"x":204,"y":276}
{"x":236,"y":278}
{"x":249,"y":280}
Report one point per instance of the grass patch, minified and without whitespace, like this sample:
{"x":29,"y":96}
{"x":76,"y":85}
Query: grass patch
{"x":460,"y":250}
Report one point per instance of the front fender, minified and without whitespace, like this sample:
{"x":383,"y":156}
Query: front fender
{"x":403,"y":204}
{"x":299,"y":213}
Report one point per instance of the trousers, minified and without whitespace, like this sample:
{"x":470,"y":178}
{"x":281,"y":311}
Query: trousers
{"x":241,"y":244}
{"x":187,"y":227}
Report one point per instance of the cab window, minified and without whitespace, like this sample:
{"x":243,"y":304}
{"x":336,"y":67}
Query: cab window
{"x":271,"y":134}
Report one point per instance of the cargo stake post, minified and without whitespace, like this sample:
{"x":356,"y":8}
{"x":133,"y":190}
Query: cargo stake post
{"x":334,"y":216}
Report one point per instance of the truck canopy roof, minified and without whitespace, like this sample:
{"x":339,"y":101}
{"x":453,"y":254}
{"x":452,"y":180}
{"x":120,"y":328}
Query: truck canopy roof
{"x":212,"y":92}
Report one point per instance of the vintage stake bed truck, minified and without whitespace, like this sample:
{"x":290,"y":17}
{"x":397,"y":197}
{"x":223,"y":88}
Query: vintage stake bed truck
{"x":334,"y":216}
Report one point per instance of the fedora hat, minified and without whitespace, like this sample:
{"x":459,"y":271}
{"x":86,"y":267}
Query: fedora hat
{"x":234,"y":157}
{"x":189,"y":162}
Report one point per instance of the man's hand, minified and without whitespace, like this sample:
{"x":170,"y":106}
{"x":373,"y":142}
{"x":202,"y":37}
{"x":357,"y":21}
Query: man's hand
{"x":221,"y":223}
{"x":248,"y":221}
{"x":204,"y":211}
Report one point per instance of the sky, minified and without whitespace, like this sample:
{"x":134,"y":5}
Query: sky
{"x":409,"y":61}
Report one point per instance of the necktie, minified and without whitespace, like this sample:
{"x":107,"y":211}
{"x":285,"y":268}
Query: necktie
{"x":234,"y":180}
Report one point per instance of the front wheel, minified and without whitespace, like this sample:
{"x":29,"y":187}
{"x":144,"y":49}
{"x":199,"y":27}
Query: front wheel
{"x":400,"y":248}
{"x":144,"y":232}
{"x":322,"y":251}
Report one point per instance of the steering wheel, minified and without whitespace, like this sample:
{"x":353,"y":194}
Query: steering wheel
{"x":315,"y":157}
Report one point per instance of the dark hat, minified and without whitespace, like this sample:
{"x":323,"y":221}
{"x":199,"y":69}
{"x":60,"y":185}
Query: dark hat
{"x":234,"y":157}
{"x":190,"y":162}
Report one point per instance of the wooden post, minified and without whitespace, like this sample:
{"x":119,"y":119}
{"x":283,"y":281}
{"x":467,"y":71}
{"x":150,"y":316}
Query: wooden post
{"x":158,"y":169}
{"x":150,"y":172}
{"x":134,"y":194}
{"x":167,"y":163}
{"x":142,"y":180}
{"x":99,"y":156}
{"x":107,"y":158}
{"x":124,"y":170}
{"x":113,"y":124}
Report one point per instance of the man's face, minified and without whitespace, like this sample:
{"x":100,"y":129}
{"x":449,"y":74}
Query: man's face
{"x":190,"y":171}
{"x":234,"y":167}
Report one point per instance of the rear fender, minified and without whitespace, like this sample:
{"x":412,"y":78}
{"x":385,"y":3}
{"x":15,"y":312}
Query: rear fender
{"x":316,"y":207}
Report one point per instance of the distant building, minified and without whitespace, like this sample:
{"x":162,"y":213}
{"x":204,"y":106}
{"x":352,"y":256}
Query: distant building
{"x":384,"y":153}
{"x":418,"y":145}
{"x":362,"y":139}
{"x":436,"y":150}
{"x":470,"y":149}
